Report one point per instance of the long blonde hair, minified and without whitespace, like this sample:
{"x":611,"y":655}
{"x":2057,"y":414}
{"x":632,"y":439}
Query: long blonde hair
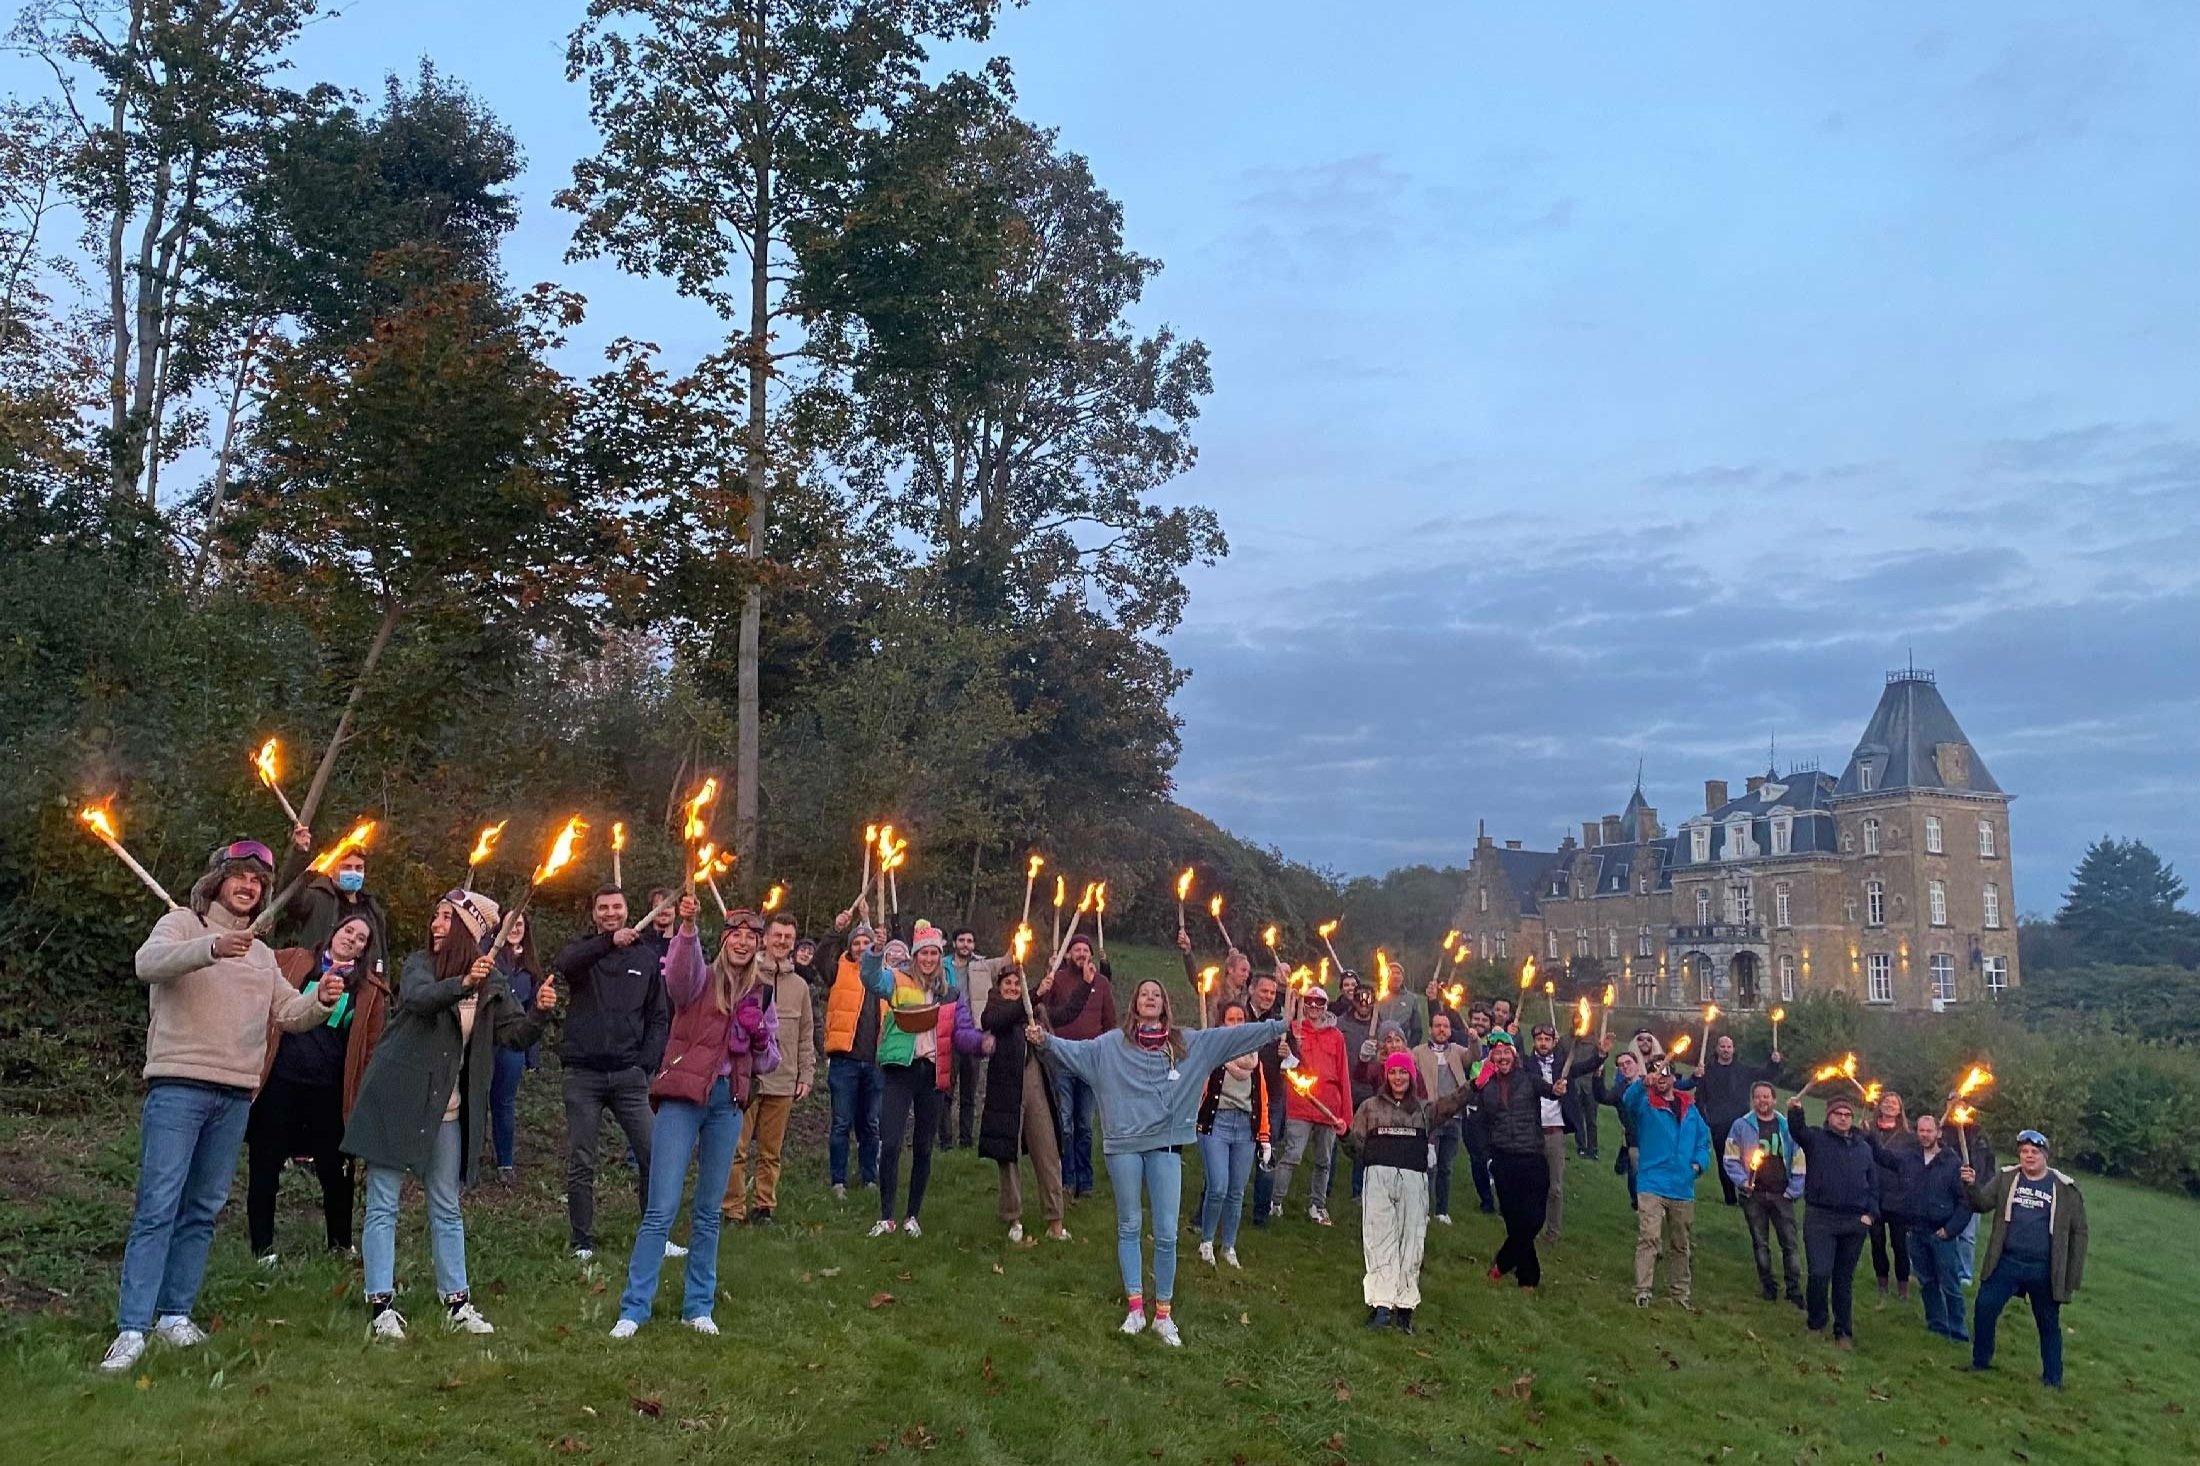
{"x":1175,"y":1045}
{"x":730,"y":981}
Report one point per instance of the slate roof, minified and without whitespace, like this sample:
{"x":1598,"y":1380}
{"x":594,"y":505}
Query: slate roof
{"x":1527,"y":871}
{"x":1911,"y":718}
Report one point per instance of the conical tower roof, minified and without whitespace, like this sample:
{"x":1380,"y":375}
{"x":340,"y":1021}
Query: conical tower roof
{"x":1914,"y":742}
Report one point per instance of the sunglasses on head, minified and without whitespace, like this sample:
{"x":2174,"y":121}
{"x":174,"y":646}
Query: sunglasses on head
{"x":248,"y":850}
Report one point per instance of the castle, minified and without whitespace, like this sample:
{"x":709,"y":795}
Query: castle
{"x":1891,"y":884}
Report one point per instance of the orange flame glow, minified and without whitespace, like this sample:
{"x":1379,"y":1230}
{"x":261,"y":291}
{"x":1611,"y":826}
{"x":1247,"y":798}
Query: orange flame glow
{"x":618,"y":834}
{"x":1455,"y":995}
{"x":1461,"y":953}
{"x":1207,"y":976}
{"x":562,"y":849}
{"x":1961,"y":1115}
{"x":1268,"y":936}
{"x":1871,"y":1092}
{"x":1756,"y":1158}
{"x":774,"y":896}
{"x":1527,"y":974}
{"x":1610,"y":992}
{"x":1328,"y":929}
{"x":711,"y":862}
{"x":1779,"y":1015}
{"x":100,"y":817}
{"x":1979,"y":1077}
{"x":264,"y":761}
{"x":1184,"y":884}
{"x":1710,"y":1014}
{"x":1451,"y":940}
{"x":1303,"y":1081}
{"x":1214,"y":906}
{"x":485,"y":842}
{"x":1550,"y":989}
{"x":357,"y":838}
{"x":1031,"y":868}
{"x":1100,"y":898}
{"x":1581,"y":1018}
{"x":1382,"y":976}
{"x":1021,"y":946}
{"x":1680,"y":1046}
{"x":1061,"y":891}
{"x":695,"y":828}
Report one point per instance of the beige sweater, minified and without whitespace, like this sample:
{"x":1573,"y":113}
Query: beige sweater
{"x":210,"y":1015}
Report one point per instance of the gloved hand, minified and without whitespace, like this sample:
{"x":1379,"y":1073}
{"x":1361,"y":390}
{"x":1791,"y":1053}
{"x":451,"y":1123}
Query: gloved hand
{"x":1367,"y":1049}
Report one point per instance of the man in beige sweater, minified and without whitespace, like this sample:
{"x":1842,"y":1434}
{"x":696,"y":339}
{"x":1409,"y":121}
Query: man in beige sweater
{"x":214,"y":987}
{"x":764,"y":1130}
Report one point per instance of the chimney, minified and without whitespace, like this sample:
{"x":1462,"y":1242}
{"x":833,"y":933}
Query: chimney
{"x":1589,"y":831}
{"x":1756,"y":782}
{"x":1714,"y":794}
{"x":1612,"y":835}
{"x":1512,"y":844}
{"x":1646,"y":824}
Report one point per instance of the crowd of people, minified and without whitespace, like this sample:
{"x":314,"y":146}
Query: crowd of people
{"x":331,"y":1049}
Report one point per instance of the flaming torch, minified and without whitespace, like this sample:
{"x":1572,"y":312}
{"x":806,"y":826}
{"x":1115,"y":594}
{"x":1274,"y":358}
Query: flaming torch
{"x":358,"y":837}
{"x":618,"y":849}
{"x":1382,"y":977}
{"x":1061,"y":894}
{"x":892,"y":855}
{"x":1214,"y":909}
{"x":773,"y":897}
{"x":1100,"y":914}
{"x":1084,"y":904}
{"x":484,"y":843}
{"x":1777,"y":1015}
{"x":1871,"y":1093}
{"x":1183,"y":893}
{"x":1842,"y":1068}
{"x":1325,"y":931}
{"x":1604,"y":1019}
{"x":1208,"y":976}
{"x":1527,"y":974}
{"x":1268,"y":936}
{"x":695,"y":828}
{"x":1550,"y":996}
{"x":1031,"y":874}
{"x":1304,"y":1083}
{"x":710,"y":864}
{"x":1451,"y":939}
{"x":264,"y":761}
{"x":1455,"y":995}
{"x":870,"y":841}
{"x":1581,"y":1017}
{"x":1710,"y":1016}
{"x":1960,"y":1116}
{"x":1679,"y":1046}
{"x":563,"y":849}
{"x":1756,"y":1163}
{"x":1020,"y":946}
{"x":1979,"y":1077}
{"x":99,"y":819}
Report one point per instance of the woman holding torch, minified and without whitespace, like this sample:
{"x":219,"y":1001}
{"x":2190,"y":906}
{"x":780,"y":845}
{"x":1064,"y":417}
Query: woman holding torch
{"x":915,"y":1052}
{"x":1017,"y":1118}
{"x":214,"y":990}
{"x":424,"y":1103}
{"x":1392,"y":1132}
{"x":1149,"y":1076}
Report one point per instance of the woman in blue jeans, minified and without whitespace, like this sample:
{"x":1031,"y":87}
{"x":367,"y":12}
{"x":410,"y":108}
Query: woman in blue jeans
{"x":725,"y":1031}
{"x":1150,"y":1077}
{"x":516,"y":956}
{"x":1233,"y":1127}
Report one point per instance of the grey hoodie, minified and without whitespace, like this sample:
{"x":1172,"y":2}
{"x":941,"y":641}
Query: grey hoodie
{"x":1146,"y":1102}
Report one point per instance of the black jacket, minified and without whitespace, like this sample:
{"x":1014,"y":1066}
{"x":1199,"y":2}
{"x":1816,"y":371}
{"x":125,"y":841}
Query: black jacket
{"x":1001,"y":1117}
{"x":1271,"y":1067}
{"x":312,"y":915}
{"x":1508,"y":1110}
{"x":1843,"y":1176}
{"x":1937,"y":1198}
{"x":1896,"y":1152}
{"x":1356,"y":1032}
{"x":617,"y":1016}
{"x":1723,"y":1090}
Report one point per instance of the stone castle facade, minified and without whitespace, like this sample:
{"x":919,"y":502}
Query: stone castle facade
{"x":1891,"y":883}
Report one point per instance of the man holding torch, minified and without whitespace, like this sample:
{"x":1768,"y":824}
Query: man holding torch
{"x":1764,"y":1165}
{"x":1544,"y":1060}
{"x":1674,"y":1145}
{"x":1840,"y":1197}
{"x":328,"y":897}
{"x":1319,"y":1107}
{"x":1723,"y":1087}
{"x":214,"y":991}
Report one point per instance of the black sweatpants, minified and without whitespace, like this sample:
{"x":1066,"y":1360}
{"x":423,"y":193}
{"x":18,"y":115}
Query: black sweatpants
{"x":290,"y":1119}
{"x":906,"y":1089}
{"x":1832,"y":1244}
{"x":1523,"y":1182}
{"x":1893,"y":1228}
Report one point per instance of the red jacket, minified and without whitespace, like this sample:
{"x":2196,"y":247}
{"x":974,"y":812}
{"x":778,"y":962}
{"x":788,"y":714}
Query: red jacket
{"x":1321,"y":1053}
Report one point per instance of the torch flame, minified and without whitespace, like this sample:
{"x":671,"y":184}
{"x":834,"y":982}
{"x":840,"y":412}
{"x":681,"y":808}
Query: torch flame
{"x":1022,"y":945}
{"x":1084,"y":902}
{"x":1455,"y":995}
{"x":618,"y":834}
{"x":1581,"y":1017}
{"x":1382,"y":976}
{"x":562,"y":849}
{"x":1324,"y":973}
{"x":1100,"y":898}
{"x":1680,"y":1046}
{"x":1061,"y":890}
{"x":1710,"y":1014}
{"x":1461,"y":953}
{"x":1551,"y":988}
{"x":1756,"y":1158}
{"x":1527,"y":974}
{"x":1268,"y":936}
{"x":695,"y":829}
{"x":1303,"y":1080}
{"x":264,"y":761}
{"x":1451,"y":940}
{"x":1214,"y":906}
{"x":1031,"y":871}
{"x":1825,"y":1072}
{"x":774,"y":896}
{"x":100,"y":817}
{"x":870,"y":834}
{"x":1610,"y":992}
{"x":1327,"y":929}
{"x":1871,"y":1093}
{"x":1184,"y":884}
{"x":1848,"y":1066}
{"x":1961,"y":1115}
{"x":354,"y":839}
{"x":1779,"y":1015}
{"x":1207,"y":976}
{"x":1979,"y":1077}
{"x":485,"y":842}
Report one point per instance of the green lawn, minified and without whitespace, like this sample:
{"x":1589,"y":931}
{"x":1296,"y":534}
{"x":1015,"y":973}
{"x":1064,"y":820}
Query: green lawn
{"x":959,"y":1347}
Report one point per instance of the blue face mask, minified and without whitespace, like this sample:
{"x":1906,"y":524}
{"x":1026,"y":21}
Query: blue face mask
{"x":352,"y":881}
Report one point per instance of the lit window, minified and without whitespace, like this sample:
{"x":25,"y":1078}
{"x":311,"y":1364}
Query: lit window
{"x":1867,"y":779}
{"x":1993,"y":906}
{"x":1642,"y":941}
{"x":1783,"y":836}
{"x":1997,"y":974}
{"x":1703,"y":906}
{"x":1937,"y":894}
{"x":1986,"y":838}
{"x":1875,"y":904}
{"x":1781,"y":903}
{"x":1871,"y":837}
{"x":1611,"y":941}
{"x":1943,"y":968}
{"x":1932,"y":834}
{"x":1787,"y":978}
{"x":1699,"y":843}
{"x":1879,"y":978}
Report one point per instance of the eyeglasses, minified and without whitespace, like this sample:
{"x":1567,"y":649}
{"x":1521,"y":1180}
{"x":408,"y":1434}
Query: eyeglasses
{"x":248,"y":850}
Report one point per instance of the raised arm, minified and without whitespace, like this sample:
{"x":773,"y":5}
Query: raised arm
{"x":686,"y":975}
{"x":581,"y":954}
{"x":1207,"y":1047}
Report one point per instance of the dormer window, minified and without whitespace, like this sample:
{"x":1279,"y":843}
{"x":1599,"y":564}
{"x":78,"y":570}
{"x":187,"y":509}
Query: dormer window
{"x":1738,"y":844}
{"x":1699,"y":844}
{"x":1783,"y":835}
{"x":1867,"y":778}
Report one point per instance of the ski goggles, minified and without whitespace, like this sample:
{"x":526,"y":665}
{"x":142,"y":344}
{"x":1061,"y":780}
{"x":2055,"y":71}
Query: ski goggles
{"x":2032,"y":1137}
{"x":248,"y":850}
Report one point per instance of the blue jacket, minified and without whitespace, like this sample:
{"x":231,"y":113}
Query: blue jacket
{"x":1146,"y":1102}
{"x":1672,"y":1142}
{"x":1742,"y":1138}
{"x":1937,"y":1195}
{"x":1844,"y":1176}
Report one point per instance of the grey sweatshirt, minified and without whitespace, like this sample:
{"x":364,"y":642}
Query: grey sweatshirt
{"x":1147,"y":1103}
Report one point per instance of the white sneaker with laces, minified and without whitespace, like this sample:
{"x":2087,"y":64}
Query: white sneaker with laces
{"x":674,"y":1249}
{"x":178,"y":1332}
{"x":1016,"y":1233}
{"x":127,"y":1349}
{"x":881,"y":1228}
{"x":1207,"y":1253}
{"x":1275,"y":1208}
{"x":840,"y":1193}
{"x":388,"y":1326}
{"x":585,"y":1254}
{"x":702,"y":1323}
{"x":1444,"y":1217}
{"x":467,"y":1319}
{"x":912,"y":1228}
{"x":1134,"y":1322}
{"x":1317,"y":1216}
{"x":625,"y":1328}
{"x":1229,"y":1255}
{"x":270,"y":1260}
{"x":1164,"y":1329}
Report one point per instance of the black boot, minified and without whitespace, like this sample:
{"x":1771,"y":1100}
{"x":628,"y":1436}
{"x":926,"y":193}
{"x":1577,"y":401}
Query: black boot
{"x":1378,"y":1318}
{"x":1403,"y":1318}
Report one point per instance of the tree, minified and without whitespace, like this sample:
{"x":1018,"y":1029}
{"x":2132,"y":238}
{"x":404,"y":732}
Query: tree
{"x":999,"y":403}
{"x":2122,"y":904}
{"x":726,"y":127}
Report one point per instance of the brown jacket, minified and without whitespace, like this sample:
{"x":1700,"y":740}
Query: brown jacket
{"x":797,"y":1035}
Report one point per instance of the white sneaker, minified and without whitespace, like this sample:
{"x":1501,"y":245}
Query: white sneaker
{"x":1444,"y":1217}
{"x":1229,"y":1255}
{"x":1060,"y":1236}
{"x":1318,"y":1216}
{"x":840,"y":1193}
{"x":1134,"y":1322}
{"x":674,"y":1249}
{"x":1164,"y":1329}
{"x":912,"y":1228}
{"x":1275,"y":1208}
{"x":702,"y":1323}
{"x":467,"y":1319}
{"x":625,"y":1328}
{"x":881,"y":1228}
{"x":585,"y":1254}
{"x":388,"y":1326}
{"x":270,"y":1260}
{"x":1207,"y":1253}
{"x":127,"y":1349}
{"x":178,"y":1332}
{"x":1016,"y":1233}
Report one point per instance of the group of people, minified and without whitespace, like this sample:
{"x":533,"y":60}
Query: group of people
{"x":313,"y":1050}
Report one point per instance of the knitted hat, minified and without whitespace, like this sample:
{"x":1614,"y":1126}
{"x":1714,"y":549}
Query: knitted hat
{"x":862,"y":929}
{"x":928,"y":935}
{"x":476,"y":912}
{"x":1399,"y":1060}
{"x":1840,"y":1102}
{"x":1383,"y":1034}
{"x":896,"y":953}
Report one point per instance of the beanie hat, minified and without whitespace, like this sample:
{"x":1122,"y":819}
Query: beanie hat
{"x":862,"y":929}
{"x":896,"y":953}
{"x":476,"y":912}
{"x":1840,"y":1102}
{"x":1399,"y":1060}
{"x":928,"y":935}
{"x":1390,"y":1028}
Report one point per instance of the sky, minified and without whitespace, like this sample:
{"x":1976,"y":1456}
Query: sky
{"x":1608,"y":384}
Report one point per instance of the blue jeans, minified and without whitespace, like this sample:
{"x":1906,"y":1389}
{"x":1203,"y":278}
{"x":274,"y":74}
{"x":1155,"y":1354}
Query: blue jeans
{"x":709,"y":1132}
{"x":1447,"y":1147}
{"x":504,"y":1101}
{"x":855,"y":1090}
{"x":1966,"y":1241}
{"x":1074,"y":1103}
{"x":2012,"y":1276}
{"x":446,"y":1228}
{"x":188,"y":1138}
{"x":1161,"y":1174}
{"x":1934,"y":1263}
{"x":1226,"y":1157}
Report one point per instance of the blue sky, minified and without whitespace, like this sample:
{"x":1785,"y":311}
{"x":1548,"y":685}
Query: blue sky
{"x":1595,"y":384}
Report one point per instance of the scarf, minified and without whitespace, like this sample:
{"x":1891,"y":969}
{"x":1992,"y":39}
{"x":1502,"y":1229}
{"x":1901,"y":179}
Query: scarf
{"x":1152,"y":1037}
{"x":340,"y":1015}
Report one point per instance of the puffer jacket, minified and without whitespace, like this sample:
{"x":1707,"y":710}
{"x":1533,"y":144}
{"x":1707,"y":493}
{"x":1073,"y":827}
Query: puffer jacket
{"x":703,"y":1039}
{"x":1509,"y":1109}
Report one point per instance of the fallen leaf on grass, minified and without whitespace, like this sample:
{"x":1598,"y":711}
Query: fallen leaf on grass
{"x":589,"y":1411}
{"x":828,"y":1272}
{"x":651,"y":1406}
{"x":905,"y":1277}
{"x":570,"y":1445}
{"x":917,"y":1438}
{"x":880,"y":1300}
{"x":1001,"y":1270}
{"x":1343,"y":1391}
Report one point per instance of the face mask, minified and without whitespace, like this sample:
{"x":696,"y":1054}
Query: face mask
{"x":351,"y":881}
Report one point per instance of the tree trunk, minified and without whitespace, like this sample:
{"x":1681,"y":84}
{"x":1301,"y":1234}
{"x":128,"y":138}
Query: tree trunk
{"x":120,"y":483}
{"x":375,"y":648}
{"x":747,"y":709}
{"x":222,"y":460}
{"x":970,"y":906}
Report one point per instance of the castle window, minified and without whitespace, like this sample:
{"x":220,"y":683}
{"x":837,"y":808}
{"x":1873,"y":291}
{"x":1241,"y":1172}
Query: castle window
{"x":1551,"y":944}
{"x":1871,"y":837}
{"x":1943,"y":968}
{"x":1867,"y":779}
{"x":1741,"y":903}
{"x":1993,"y":906}
{"x":1646,"y":989}
{"x":1986,"y":838}
{"x":1875,"y":903}
{"x":1879,"y":978}
{"x":1738,"y":843}
{"x":1611,"y":941}
{"x":1937,"y":896}
{"x":1642,"y":885}
{"x":1699,"y":843}
{"x":1502,"y":942}
{"x":1781,"y":904}
{"x":1642,"y":941}
{"x":1997,"y":974}
{"x":1703,"y":906}
{"x":1482,"y":897}
{"x":1783,"y":836}
{"x":1932,"y":835}
{"x":1787,"y":978}
{"x":1581,"y":941}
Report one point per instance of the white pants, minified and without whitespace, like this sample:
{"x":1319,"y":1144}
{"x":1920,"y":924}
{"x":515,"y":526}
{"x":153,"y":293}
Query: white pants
{"x":1393,"y":1228}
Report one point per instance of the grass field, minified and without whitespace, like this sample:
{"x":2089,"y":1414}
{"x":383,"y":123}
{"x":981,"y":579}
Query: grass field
{"x":959,"y":1347}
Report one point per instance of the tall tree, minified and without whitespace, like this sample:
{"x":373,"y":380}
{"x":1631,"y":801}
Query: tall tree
{"x":2122,"y":904}
{"x":726,"y":127}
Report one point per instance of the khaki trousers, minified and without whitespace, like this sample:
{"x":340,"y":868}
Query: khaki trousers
{"x":1554,"y":1200}
{"x":762,"y":1135}
{"x":1046,"y":1156}
{"x":1664,"y":1228}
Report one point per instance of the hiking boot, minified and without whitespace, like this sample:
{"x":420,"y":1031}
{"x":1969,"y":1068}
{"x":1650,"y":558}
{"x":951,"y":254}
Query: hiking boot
{"x":1378,"y":1318}
{"x":1403,"y":1318}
